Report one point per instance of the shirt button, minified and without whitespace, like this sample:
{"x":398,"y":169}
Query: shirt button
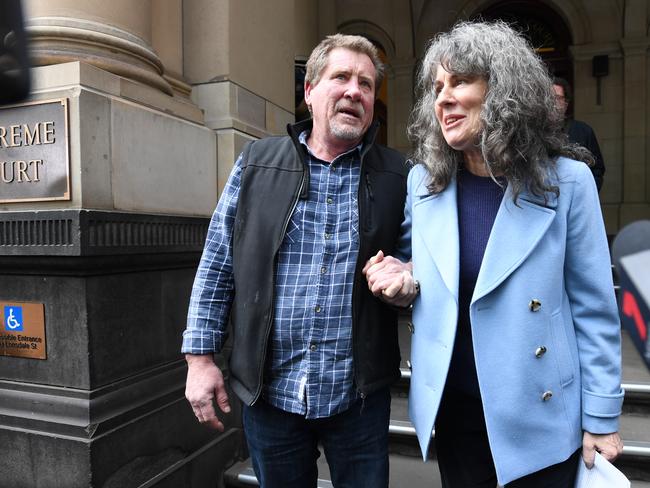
{"x":317,"y":308}
{"x":328,"y":235}
{"x":330,"y":201}
{"x":313,"y":347}
{"x":323,"y":270}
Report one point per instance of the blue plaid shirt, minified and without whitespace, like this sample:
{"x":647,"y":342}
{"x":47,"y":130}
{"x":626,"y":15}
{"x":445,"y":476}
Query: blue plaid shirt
{"x":309,"y":360}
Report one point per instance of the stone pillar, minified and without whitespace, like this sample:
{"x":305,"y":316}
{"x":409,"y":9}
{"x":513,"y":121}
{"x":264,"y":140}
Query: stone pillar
{"x":115,"y":36}
{"x":400,"y":103}
{"x":636,"y":176}
{"x":110,"y":261}
{"x":606,"y":119}
{"x":239,"y":56}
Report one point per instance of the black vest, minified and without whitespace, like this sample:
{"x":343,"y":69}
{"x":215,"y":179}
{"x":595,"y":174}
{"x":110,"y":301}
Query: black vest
{"x":273,"y":178}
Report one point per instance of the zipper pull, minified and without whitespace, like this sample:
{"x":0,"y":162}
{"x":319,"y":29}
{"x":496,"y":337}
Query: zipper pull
{"x":369,"y":187}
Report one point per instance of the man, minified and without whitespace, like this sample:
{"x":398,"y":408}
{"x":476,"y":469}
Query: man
{"x":578,"y":131}
{"x":314,"y":352}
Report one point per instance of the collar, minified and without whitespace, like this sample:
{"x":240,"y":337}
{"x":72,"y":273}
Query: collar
{"x":304,"y":135}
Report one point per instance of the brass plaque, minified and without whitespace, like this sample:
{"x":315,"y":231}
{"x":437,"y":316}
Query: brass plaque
{"x":23,"y":330}
{"x":34,"y":159}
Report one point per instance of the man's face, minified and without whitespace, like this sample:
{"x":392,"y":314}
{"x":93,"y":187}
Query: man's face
{"x":560,"y":99}
{"x":342,"y":101}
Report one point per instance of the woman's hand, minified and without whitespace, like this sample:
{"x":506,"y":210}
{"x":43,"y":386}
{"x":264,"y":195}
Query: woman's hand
{"x":610,"y":446}
{"x":391,"y":280}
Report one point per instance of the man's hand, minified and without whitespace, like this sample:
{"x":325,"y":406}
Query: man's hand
{"x":610,"y":446}
{"x":390,"y":279}
{"x":205,"y":384}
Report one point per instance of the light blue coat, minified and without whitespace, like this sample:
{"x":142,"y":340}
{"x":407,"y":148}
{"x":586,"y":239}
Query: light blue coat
{"x":555,"y":253}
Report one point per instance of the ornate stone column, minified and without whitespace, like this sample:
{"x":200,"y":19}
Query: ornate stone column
{"x":102,"y":222}
{"x":114,"y":36}
{"x":636,"y":174}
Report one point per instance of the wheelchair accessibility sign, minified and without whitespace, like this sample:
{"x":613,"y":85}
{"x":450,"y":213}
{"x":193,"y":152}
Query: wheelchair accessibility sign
{"x":23,"y":330}
{"x":13,"y":318}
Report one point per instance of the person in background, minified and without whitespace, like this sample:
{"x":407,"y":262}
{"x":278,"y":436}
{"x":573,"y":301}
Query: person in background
{"x":515,"y":350}
{"x":578,"y":131}
{"x":314,"y":352}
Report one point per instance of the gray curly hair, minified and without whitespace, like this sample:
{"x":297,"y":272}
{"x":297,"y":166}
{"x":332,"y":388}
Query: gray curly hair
{"x":521,"y":134}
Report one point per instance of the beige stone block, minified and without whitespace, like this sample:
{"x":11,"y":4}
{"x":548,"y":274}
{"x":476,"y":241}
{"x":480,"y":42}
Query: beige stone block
{"x":143,"y":94}
{"x":230,"y":145}
{"x":94,"y":141}
{"x":227,"y":105}
{"x":75,"y":75}
{"x":71,"y":75}
{"x":261,"y":49}
{"x":214,"y":100}
{"x":161,"y":164}
{"x":635,"y":69}
{"x":277,"y":119}
{"x":633,"y":212}
{"x":206,"y":32}
{"x":611,"y":218}
{"x":612,"y":87}
{"x":167,"y":33}
{"x":612,"y":189}
{"x":606,"y":125}
{"x":248,"y":108}
{"x":305,"y":27}
{"x":400,"y":102}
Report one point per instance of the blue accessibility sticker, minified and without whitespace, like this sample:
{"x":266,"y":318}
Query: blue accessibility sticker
{"x":13,"y":318}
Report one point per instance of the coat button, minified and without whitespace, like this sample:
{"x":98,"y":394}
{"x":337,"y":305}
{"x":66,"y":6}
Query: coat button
{"x":410,"y":327}
{"x":534,"y":305}
{"x":540,"y":351}
{"x":546,"y":396}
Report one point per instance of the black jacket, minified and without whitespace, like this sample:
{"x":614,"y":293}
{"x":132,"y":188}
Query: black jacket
{"x":274,"y":177}
{"x":581,"y":133}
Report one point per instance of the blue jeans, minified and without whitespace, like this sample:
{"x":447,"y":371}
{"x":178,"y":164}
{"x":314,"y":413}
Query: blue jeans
{"x":284,"y":446}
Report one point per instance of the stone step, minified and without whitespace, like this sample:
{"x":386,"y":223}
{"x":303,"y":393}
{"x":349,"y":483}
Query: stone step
{"x":408,"y":470}
{"x":405,"y":471}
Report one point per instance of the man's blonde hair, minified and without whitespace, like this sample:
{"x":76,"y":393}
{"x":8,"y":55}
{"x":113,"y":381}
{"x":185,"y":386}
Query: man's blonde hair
{"x":319,"y":56}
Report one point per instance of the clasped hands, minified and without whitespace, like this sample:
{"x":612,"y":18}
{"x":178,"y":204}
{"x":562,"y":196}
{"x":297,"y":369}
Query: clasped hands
{"x":391,"y":280}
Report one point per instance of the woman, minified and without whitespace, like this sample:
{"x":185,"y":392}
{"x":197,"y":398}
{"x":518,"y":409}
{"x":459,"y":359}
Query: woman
{"x":516,"y":345}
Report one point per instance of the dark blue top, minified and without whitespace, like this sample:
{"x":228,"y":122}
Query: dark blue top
{"x":478,"y":200}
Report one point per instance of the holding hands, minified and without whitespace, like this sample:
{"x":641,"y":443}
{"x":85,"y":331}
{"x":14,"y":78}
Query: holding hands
{"x":391,"y":280}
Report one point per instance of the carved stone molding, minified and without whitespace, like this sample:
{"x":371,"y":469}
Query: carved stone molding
{"x":84,"y":414}
{"x":96,"y":233}
{"x":63,"y":39}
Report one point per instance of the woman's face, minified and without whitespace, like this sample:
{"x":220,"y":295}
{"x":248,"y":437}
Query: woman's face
{"x":458,"y":108}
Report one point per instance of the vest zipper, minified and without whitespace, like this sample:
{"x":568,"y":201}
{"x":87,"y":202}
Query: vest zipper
{"x":370,"y":196}
{"x":272,"y":314}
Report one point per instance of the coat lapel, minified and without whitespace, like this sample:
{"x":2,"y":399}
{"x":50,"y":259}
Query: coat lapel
{"x":516,"y":231}
{"x":436,"y":221}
